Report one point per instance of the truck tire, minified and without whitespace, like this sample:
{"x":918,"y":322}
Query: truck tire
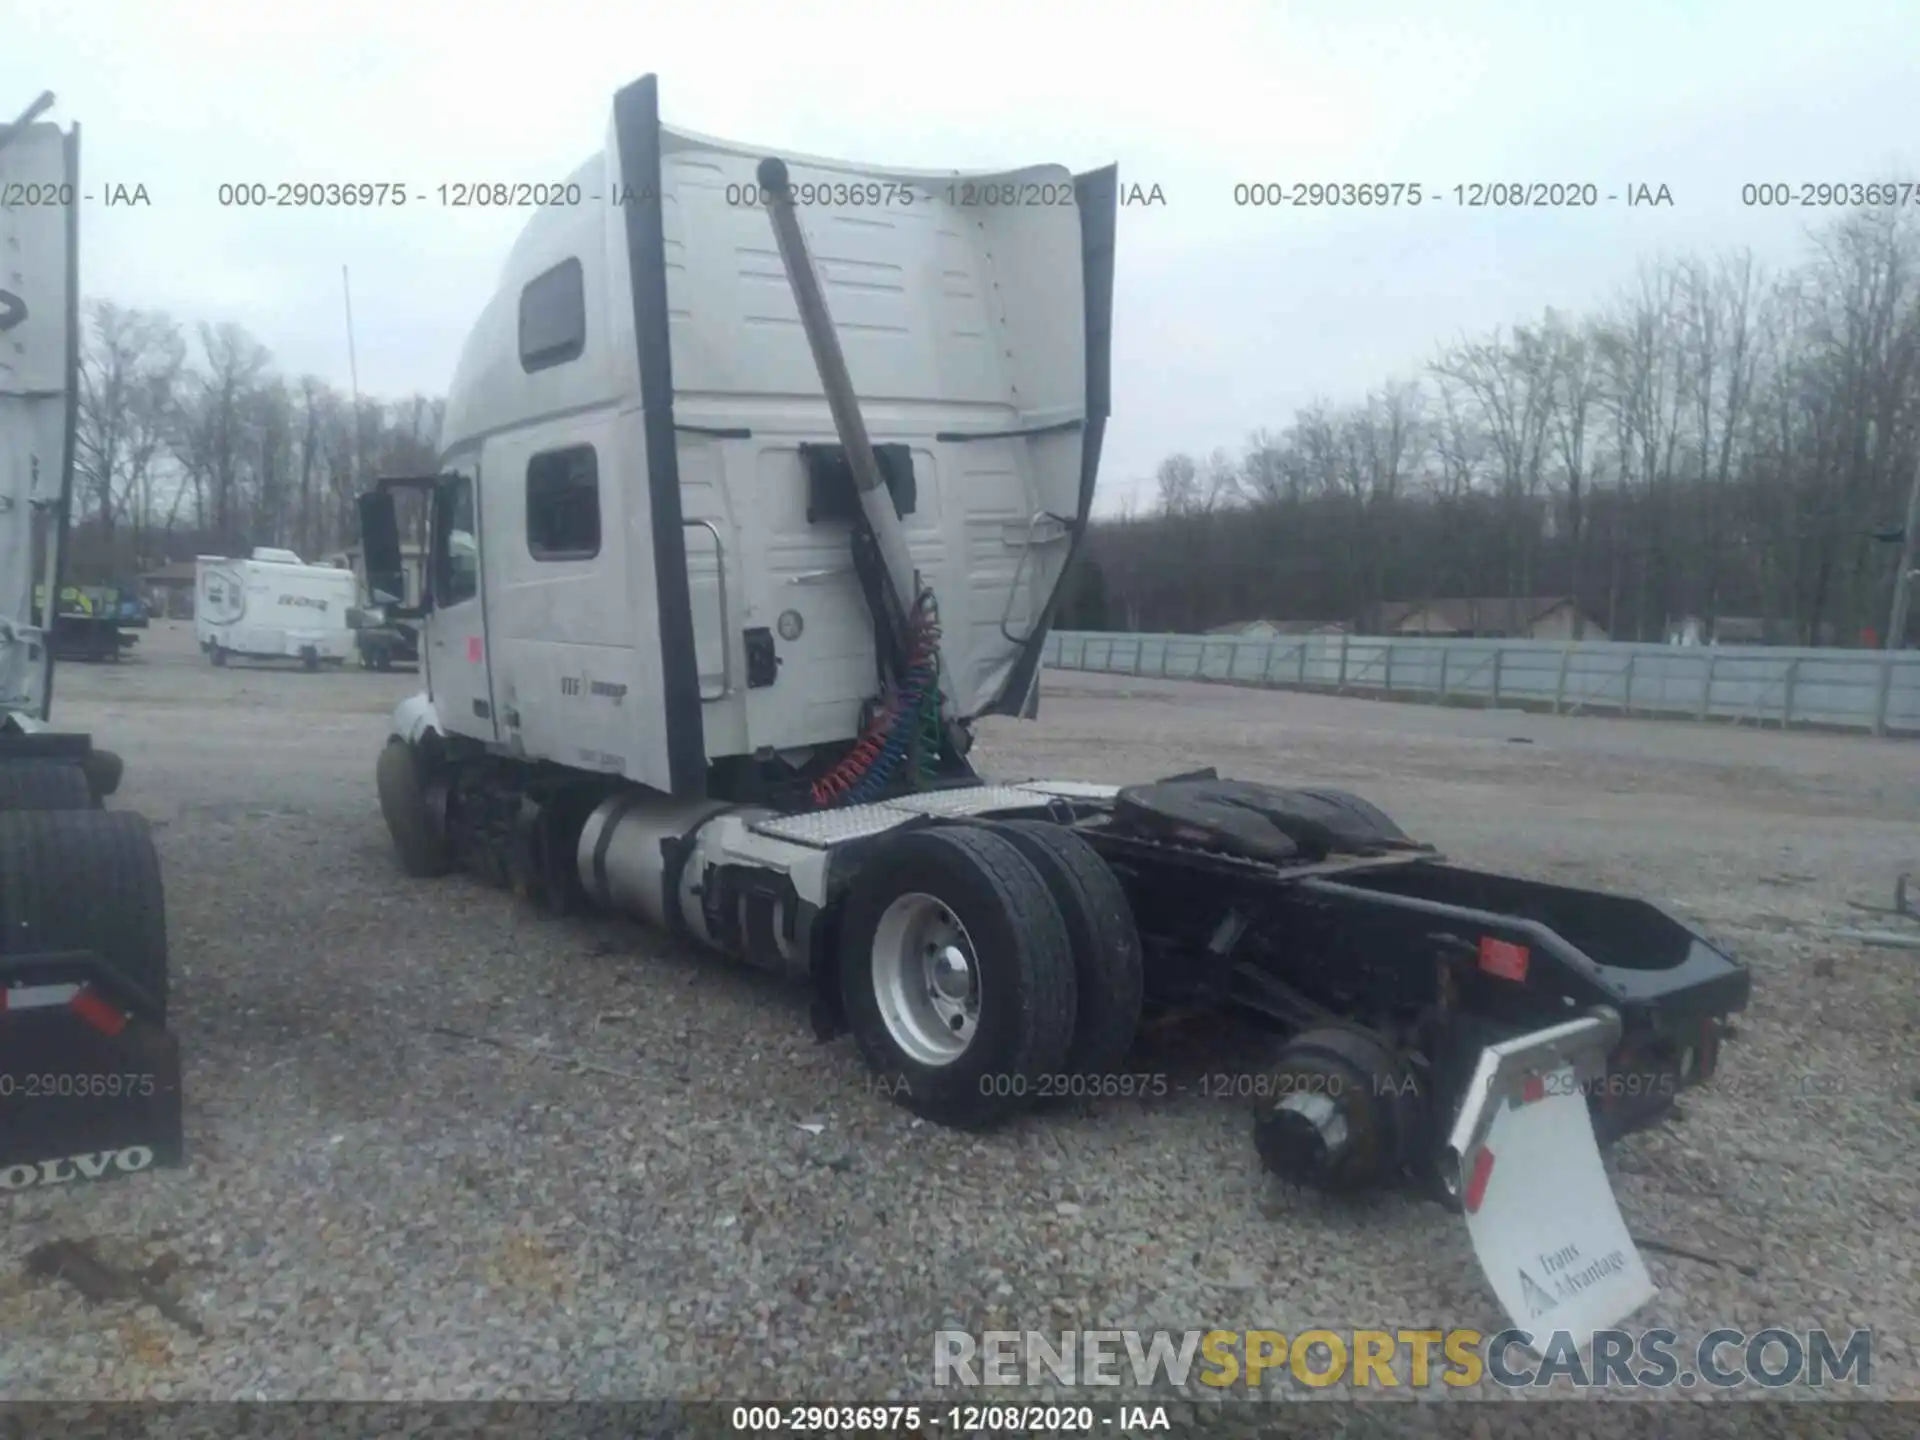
{"x":85,"y":880}
{"x":309,"y":659}
{"x":44,"y":785}
{"x":423,"y":851}
{"x":956,"y":974}
{"x":217,"y":654}
{"x":1108,"y":972}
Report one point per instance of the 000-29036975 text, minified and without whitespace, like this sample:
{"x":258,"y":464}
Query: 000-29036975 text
{"x":58,"y":1085}
{"x":816,"y":1419}
{"x":1825,"y":194}
{"x":1074,"y":1086}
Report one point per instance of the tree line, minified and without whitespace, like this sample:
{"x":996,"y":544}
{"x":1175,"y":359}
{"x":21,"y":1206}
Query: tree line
{"x":1715,"y":441}
{"x":190,"y":445}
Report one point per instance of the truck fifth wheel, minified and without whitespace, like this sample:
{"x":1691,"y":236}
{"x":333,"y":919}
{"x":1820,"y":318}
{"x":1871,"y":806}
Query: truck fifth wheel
{"x":757,"y":491}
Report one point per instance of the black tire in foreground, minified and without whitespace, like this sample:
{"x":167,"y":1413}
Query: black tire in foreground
{"x":422,"y":849}
{"x":85,"y":880}
{"x":957,"y":974}
{"x":34,"y":784}
{"x":1108,"y":970}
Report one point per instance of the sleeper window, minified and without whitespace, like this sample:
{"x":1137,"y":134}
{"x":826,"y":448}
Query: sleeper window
{"x":563,"y":504}
{"x":553,"y":317}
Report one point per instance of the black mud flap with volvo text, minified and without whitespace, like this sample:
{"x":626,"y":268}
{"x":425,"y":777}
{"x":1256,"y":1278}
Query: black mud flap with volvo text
{"x":89,"y":1088}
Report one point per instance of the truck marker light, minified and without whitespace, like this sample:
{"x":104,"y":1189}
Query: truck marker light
{"x":97,"y":1012}
{"x":1477,"y":1182}
{"x":1534,"y":1088}
{"x":1503,"y":959}
{"x":36,"y":997}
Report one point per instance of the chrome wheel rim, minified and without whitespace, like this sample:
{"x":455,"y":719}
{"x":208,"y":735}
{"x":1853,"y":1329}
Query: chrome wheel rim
{"x":926,"y":978}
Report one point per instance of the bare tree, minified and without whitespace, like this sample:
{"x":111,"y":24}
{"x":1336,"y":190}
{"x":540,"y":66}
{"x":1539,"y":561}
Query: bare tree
{"x":130,"y":363}
{"x":1576,"y":384}
{"x":1718,"y":308}
{"x":1178,"y":481}
{"x":1511,"y":384}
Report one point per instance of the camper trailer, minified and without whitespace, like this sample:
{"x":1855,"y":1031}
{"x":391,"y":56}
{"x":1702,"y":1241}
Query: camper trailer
{"x":273,"y":606}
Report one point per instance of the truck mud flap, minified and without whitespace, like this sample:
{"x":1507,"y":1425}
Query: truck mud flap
{"x":1524,"y":1164}
{"x":88,"y":1091}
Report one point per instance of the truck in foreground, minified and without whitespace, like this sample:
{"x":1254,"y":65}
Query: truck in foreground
{"x":760,"y":476}
{"x":89,"y":1074}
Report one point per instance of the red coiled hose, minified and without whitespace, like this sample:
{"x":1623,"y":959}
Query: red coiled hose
{"x":902,"y":708}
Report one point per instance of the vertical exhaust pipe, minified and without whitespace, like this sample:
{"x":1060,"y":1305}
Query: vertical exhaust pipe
{"x":876,"y":501}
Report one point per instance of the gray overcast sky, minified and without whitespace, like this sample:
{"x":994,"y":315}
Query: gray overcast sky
{"x":1226,"y":318}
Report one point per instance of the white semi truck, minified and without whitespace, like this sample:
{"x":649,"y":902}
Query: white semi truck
{"x":89,"y":1075}
{"x":760,"y":476}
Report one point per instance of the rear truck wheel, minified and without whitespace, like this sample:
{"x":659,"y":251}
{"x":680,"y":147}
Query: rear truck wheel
{"x":309,"y":659}
{"x":420,"y":843}
{"x":45,"y":785}
{"x":217,"y":654}
{"x":85,"y":880}
{"x":1343,"y":1112}
{"x":1108,"y":972}
{"x":957,"y":974}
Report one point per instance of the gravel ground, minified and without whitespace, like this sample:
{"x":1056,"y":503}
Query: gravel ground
{"x":376,"y":1210}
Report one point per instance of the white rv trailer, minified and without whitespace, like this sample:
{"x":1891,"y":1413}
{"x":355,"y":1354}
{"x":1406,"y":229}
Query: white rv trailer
{"x":272,"y":605}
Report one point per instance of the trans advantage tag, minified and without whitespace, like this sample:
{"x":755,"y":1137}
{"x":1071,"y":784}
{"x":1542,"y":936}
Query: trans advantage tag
{"x":1544,"y":1222}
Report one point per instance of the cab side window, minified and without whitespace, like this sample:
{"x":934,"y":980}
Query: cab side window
{"x":457,"y":571}
{"x":563,"y":504}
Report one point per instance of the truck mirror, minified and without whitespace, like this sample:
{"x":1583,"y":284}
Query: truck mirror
{"x":380,"y":545}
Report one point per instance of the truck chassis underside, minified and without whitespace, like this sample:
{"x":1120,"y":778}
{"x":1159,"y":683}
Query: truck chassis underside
{"x":1413,"y":965}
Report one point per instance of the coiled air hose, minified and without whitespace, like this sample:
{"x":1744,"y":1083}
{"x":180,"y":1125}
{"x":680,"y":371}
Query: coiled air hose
{"x":911,"y":712}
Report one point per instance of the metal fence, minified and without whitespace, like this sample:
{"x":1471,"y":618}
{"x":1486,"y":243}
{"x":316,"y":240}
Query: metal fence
{"x":1872,"y":690}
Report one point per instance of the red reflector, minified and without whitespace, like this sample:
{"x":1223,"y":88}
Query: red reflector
{"x":1503,"y":959}
{"x":1477,"y":1182}
{"x":1533,"y":1089}
{"x":97,"y":1012}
